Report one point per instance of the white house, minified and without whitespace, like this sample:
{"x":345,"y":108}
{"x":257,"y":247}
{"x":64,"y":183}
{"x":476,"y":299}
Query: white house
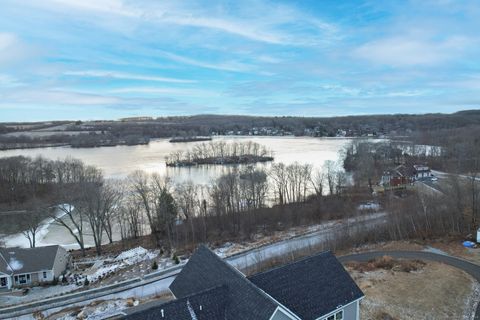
{"x":26,"y":267}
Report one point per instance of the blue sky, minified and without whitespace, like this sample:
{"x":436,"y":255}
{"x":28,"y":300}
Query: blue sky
{"x":92,"y":59}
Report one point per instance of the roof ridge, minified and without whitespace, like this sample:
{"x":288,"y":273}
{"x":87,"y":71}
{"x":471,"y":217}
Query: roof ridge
{"x":201,"y":292}
{"x":250,"y":283}
{"x":291,"y":263}
{"x":6,"y":262}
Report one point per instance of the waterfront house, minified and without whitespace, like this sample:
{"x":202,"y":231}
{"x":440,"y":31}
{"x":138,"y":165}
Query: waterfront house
{"x":21,"y":267}
{"x":314,"y":288}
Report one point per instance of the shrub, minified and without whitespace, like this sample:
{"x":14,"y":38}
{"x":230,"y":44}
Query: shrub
{"x":154,"y":265}
{"x":175,"y":259}
{"x":86,"y":282}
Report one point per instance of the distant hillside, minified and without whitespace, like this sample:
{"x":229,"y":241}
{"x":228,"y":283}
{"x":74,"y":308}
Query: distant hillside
{"x":139,"y":129}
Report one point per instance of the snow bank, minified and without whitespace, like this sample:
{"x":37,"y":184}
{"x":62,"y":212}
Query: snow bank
{"x":19,"y":239}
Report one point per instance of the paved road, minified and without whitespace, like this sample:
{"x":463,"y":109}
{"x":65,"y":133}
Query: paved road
{"x":468,"y":267}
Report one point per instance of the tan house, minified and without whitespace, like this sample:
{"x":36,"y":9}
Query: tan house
{"x":21,"y":267}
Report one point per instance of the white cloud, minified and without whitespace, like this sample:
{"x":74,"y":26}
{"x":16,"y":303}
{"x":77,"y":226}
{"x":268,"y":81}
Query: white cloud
{"x":410,"y":51}
{"x":6,"y":40}
{"x":11,"y":48}
{"x":122,"y":75}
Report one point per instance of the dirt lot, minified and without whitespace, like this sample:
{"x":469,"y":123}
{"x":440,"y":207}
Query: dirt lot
{"x":404,"y":289}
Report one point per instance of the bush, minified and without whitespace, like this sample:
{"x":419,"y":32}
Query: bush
{"x":154,"y":265}
{"x":54,"y":281}
{"x":175,"y":259}
{"x":86,"y":282}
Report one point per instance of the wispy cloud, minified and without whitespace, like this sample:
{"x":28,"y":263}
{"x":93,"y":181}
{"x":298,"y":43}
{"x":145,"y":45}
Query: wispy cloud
{"x":264,"y":22}
{"x":233,"y":66}
{"x":56,"y":97}
{"x":167,"y":91}
{"x":117,"y":57}
{"x":7,"y":81}
{"x":126,"y":76}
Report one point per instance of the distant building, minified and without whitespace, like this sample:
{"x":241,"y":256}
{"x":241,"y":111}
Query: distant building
{"x":26,"y":267}
{"x":208,"y":288}
{"x":399,"y":178}
{"x":421,"y":171}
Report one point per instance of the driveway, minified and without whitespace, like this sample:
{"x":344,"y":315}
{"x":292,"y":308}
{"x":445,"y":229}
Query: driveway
{"x":468,"y":267}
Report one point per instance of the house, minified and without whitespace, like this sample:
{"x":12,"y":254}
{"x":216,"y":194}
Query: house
{"x":26,"y":267}
{"x":421,"y":171}
{"x":314,"y":288}
{"x":398,"y":178}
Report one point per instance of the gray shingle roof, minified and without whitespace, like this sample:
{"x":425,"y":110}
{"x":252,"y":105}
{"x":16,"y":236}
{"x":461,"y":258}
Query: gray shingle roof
{"x":205,"y":270}
{"x":206,"y":305}
{"x":20,"y":260}
{"x":311,"y":287}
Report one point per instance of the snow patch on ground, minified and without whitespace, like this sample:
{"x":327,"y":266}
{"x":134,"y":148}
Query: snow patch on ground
{"x":100,"y":311}
{"x":19,"y":239}
{"x":435,"y":250}
{"x":125,"y":259}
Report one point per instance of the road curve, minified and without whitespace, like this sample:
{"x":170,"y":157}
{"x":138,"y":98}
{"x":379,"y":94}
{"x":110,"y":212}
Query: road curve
{"x":468,"y":267}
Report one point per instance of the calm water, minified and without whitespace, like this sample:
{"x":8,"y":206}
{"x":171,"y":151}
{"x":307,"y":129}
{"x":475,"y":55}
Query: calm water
{"x":120,"y":161}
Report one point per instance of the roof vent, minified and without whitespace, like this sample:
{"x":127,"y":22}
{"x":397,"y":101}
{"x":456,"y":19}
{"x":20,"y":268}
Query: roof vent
{"x":163,"y":314}
{"x":201,"y":308}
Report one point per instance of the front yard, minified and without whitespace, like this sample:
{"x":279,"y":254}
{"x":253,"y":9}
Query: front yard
{"x":406,"y":289}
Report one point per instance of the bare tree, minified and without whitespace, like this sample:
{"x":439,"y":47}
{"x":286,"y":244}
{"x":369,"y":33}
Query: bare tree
{"x":189,"y":204}
{"x":33,"y":222}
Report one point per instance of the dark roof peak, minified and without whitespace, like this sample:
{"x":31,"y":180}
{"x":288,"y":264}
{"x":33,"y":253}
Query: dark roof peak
{"x":205,"y":270}
{"x":310,"y":287}
{"x":286,"y":265}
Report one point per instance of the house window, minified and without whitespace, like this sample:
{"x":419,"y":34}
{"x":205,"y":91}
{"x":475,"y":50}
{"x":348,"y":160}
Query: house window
{"x":22,"y":279}
{"x":3,"y":282}
{"x":44,"y":275}
{"x":336,"y":316}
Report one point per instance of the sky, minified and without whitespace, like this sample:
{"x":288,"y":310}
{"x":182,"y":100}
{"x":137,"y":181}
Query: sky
{"x":109,"y":59}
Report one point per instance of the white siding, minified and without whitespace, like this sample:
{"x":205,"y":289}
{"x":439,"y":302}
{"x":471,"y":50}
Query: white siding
{"x":61,"y":260}
{"x":48,"y":274}
{"x":351,"y":311}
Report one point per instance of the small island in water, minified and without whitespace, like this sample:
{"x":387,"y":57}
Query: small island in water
{"x":220,"y":152}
